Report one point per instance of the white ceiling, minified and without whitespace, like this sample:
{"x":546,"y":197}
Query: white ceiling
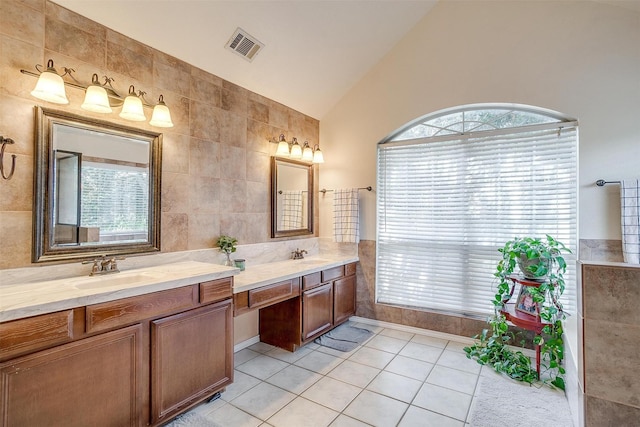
{"x":315,"y":50}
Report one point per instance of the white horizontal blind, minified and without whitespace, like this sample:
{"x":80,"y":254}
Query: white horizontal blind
{"x":446,"y":206}
{"x":116,"y":199}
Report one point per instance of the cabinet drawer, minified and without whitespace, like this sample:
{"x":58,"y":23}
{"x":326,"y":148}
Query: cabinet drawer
{"x":310,"y":281}
{"x":332,"y":273}
{"x":273,"y":293}
{"x":350,"y":269}
{"x":216,"y":290}
{"x":112,"y":314}
{"x":35,"y":333}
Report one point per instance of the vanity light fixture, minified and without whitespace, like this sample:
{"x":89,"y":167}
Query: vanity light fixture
{"x":161,"y":116}
{"x":99,"y":98}
{"x":318,"y":157}
{"x":295,"y":151}
{"x":50,"y":86}
{"x":307,"y":152}
{"x":132,"y":107}
{"x":283,"y":147}
{"x":96,"y":98}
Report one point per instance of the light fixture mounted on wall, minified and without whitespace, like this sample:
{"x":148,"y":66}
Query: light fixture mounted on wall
{"x":294,"y":150}
{"x":99,"y":97}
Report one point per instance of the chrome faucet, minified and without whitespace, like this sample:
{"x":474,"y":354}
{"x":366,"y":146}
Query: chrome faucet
{"x":103,"y":265}
{"x":298,"y":254}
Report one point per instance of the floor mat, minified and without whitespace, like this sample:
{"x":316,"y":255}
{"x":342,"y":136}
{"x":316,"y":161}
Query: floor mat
{"x":503,"y":402}
{"x":344,"y":338}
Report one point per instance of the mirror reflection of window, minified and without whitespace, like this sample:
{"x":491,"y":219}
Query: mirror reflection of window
{"x":113,"y":196}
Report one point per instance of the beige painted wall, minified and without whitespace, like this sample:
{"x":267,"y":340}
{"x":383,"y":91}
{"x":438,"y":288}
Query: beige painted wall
{"x":577,"y":57}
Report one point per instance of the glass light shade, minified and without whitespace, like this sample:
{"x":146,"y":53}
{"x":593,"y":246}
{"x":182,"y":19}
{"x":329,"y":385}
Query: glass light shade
{"x":317,"y":156}
{"x":283,"y":149}
{"x":50,"y":87}
{"x":132,"y":109}
{"x":96,"y":100}
{"x":296,"y":150}
{"x":307,"y":153}
{"x":161,"y":116}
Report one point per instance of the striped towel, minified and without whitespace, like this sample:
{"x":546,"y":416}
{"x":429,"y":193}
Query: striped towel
{"x":291,"y":210}
{"x":630,"y":210}
{"x":346,"y":227}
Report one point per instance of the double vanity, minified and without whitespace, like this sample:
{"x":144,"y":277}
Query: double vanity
{"x":137,"y":348}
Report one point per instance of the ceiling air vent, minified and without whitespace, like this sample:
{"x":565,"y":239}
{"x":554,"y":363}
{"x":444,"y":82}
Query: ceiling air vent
{"x":244,"y":44}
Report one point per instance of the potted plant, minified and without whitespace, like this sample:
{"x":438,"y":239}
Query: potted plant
{"x":542,"y":260}
{"x":227,"y":244}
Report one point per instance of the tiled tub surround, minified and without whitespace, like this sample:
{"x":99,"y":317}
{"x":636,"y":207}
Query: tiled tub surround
{"x":608,"y":362}
{"x":215,"y":162}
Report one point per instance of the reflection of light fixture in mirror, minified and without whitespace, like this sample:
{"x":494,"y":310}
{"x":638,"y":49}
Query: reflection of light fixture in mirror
{"x":317,"y":154}
{"x":132,"y":107}
{"x":283,"y":147}
{"x":307,"y":152}
{"x":161,"y":116}
{"x":99,"y":97}
{"x":96,"y":98}
{"x":50,"y":86}
{"x":296,"y":150}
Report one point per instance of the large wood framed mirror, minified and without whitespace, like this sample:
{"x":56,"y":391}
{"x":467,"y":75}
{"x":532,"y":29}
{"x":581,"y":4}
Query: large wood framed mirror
{"x":96,"y":188}
{"x":291,"y":198}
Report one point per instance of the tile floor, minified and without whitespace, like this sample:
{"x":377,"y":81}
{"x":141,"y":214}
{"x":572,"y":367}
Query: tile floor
{"x":396,"y":378}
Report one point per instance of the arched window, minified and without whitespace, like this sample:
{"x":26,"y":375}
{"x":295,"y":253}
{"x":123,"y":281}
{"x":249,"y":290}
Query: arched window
{"x":454,"y":186}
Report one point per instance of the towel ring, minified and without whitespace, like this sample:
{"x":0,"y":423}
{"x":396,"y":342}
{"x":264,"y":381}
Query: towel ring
{"x":5,"y":142}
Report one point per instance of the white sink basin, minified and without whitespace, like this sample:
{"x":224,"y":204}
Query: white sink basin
{"x":116,"y":279}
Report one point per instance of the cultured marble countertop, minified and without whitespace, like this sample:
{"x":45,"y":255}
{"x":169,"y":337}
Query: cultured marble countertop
{"x":22,"y":300}
{"x":266,"y":274}
{"x":31,"y":299}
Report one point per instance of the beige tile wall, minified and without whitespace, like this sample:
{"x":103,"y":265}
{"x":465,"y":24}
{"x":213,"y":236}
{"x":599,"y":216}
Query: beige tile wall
{"x":215,"y":177}
{"x":610,"y":331}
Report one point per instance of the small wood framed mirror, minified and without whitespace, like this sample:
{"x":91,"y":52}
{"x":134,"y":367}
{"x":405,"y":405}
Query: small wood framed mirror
{"x":291,"y":198}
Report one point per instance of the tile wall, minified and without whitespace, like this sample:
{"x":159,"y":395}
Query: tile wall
{"x":215,"y":168}
{"x":608,"y":363}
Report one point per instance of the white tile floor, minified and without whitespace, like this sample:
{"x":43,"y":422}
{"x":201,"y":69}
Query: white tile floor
{"x":396,"y":378}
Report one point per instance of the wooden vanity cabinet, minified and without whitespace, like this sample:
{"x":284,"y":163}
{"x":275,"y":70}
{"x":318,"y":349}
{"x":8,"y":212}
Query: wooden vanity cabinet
{"x":344,"y":299}
{"x":317,"y":311}
{"x":327,"y":299}
{"x":190,"y":357}
{"x":91,"y":382}
{"x":136,"y":361}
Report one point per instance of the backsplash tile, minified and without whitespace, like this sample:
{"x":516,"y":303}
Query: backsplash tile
{"x":601,"y":250}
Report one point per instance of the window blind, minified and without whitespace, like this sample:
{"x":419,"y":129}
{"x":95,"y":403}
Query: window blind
{"x":445,"y":206}
{"x":115,"y":199}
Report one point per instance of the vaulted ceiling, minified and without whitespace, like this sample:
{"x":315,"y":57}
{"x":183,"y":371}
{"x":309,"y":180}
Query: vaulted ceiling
{"x":315,"y":50}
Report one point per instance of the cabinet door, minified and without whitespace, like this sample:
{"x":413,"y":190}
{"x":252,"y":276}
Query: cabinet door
{"x":192,"y":357}
{"x":317,"y":311}
{"x":344,"y":299}
{"x":91,"y":382}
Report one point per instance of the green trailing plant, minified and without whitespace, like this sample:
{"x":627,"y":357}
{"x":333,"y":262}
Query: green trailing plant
{"x":227,"y":244}
{"x":542,"y":259}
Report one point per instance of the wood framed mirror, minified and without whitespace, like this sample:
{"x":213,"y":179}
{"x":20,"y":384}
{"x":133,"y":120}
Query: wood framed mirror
{"x":96,"y":188}
{"x":291,"y":198}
